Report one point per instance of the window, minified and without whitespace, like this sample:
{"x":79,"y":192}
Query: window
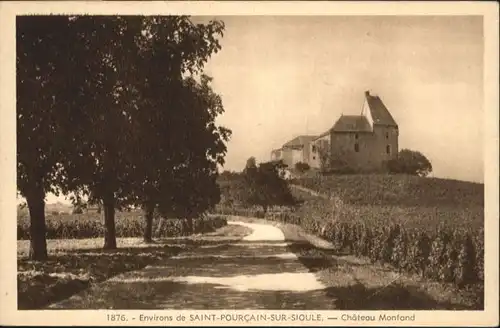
{"x":314,"y":148}
{"x":314,"y":157}
{"x":388,"y":149}
{"x":387,"y":135}
{"x":356,"y":148}
{"x":356,"y":136}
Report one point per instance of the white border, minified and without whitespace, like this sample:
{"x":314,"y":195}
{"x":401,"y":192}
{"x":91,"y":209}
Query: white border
{"x":8,"y":10}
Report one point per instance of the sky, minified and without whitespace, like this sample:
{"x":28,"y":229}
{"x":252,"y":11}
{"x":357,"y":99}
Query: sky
{"x":284,"y":76}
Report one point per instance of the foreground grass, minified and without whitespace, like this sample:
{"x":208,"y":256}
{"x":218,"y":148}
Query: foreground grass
{"x":76,"y":264}
{"x":357,"y":284}
{"x":138,"y":258}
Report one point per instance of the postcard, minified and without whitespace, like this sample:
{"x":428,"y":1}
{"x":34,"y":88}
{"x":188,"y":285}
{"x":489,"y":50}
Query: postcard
{"x":216,"y":163}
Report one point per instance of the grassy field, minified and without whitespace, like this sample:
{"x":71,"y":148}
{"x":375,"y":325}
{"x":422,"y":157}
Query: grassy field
{"x":423,"y":203}
{"x":414,"y":202}
{"x":424,"y":226}
{"x":77,"y":260}
{"x":402,"y":190}
{"x":90,"y":225}
{"x":75,"y":264}
{"x":358,"y":284}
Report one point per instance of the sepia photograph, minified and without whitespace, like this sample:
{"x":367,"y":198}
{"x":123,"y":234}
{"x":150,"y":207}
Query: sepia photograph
{"x":174,"y":161}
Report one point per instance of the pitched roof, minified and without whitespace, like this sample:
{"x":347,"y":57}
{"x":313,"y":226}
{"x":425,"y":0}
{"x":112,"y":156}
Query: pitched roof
{"x":299,"y":141}
{"x":352,"y":123}
{"x":380,"y":113}
{"x":323,"y":134}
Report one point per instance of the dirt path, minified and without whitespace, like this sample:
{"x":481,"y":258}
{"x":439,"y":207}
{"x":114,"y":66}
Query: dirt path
{"x":270,"y":266}
{"x":257,"y":271}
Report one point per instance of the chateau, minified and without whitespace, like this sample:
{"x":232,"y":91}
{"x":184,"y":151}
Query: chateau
{"x":364,"y":142}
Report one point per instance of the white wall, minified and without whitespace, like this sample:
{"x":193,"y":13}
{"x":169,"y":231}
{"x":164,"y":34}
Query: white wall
{"x":367,"y":113}
{"x":297,"y":156}
{"x":314,"y":157}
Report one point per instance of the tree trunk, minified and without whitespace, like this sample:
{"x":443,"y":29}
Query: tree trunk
{"x":189,"y":226}
{"x":148,"y":226}
{"x":109,"y":221}
{"x":159,"y":228}
{"x":35,"y":199}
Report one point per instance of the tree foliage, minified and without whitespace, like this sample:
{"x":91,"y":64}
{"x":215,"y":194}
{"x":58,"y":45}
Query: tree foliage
{"x":44,"y":117}
{"x":110,"y":108}
{"x":265,"y":187}
{"x":410,"y":162}
{"x":178,"y":165}
{"x":232,"y":188}
{"x":302,"y":167}
{"x":251,"y":164}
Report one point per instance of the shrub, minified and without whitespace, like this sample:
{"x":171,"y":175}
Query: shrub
{"x":447,"y":272}
{"x":418,"y":252}
{"x":326,"y":230}
{"x":437,"y":255}
{"x":400,"y":251}
{"x":479,"y":261}
{"x":339,"y":167}
{"x":358,"y":242}
{"x":377,"y":244}
{"x":465,"y":272}
{"x":389,"y":237}
{"x":410,"y":162}
{"x":80,"y":226}
{"x":366,"y":241}
{"x":302,"y":167}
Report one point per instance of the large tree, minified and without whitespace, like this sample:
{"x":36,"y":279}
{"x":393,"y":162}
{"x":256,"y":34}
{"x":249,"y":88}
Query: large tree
{"x":105,"y":98}
{"x":80,"y":92}
{"x":265,"y":187}
{"x":193,"y":188}
{"x":144,"y":64}
{"x":175,"y":131}
{"x":44,"y":116}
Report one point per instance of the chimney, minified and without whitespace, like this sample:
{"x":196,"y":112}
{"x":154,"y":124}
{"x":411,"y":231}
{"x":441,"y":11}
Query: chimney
{"x":367,"y":93}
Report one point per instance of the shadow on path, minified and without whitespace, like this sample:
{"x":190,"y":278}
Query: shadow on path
{"x":244,"y":275}
{"x":214,"y":273}
{"x":64,"y":274}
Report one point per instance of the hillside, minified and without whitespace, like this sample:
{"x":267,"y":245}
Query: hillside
{"x":401,"y":190}
{"x":380,"y":199}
